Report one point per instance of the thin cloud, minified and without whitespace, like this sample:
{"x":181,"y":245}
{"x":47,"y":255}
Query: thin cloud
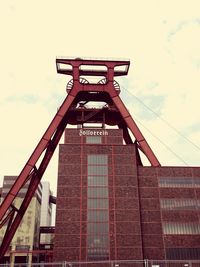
{"x":180,"y":27}
{"x":28,"y":99}
{"x":162,"y":42}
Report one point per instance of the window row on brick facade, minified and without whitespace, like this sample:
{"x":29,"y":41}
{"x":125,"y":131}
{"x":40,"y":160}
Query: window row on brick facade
{"x":183,"y":253}
{"x":179,"y":228}
{"x":179,"y":182}
{"x":180,"y":204}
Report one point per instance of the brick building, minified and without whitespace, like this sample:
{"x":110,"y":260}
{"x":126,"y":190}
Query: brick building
{"x":110,"y":207}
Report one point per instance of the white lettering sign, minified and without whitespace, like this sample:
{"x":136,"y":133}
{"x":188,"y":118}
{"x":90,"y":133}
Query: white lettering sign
{"x":93,"y":132}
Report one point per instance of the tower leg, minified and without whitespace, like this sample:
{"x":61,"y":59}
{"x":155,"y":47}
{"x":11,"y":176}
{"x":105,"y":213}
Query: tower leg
{"x":48,"y":142}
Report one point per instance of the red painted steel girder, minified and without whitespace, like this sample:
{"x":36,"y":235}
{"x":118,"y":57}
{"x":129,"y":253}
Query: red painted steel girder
{"x":77,"y":67}
{"x":46,"y":146}
{"x":136,"y":131}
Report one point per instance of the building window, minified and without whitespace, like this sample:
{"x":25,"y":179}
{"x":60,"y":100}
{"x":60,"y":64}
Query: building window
{"x":98,"y":215}
{"x":98,"y":160}
{"x":179,"y":182}
{"x":178,"y":228}
{"x":93,"y":139}
{"x":97,"y":203}
{"x":97,"y":180}
{"x":182,"y":253}
{"x":180,"y":204}
{"x":97,"y":208}
{"x":97,"y":192}
{"x":97,"y":170}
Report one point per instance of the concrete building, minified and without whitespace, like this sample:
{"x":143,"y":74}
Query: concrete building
{"x":46,"y":212}
{"x":110,"y":207}
{"x":27,"y":236}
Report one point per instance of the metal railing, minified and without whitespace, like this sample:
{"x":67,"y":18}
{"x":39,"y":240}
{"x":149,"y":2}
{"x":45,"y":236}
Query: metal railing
{"x":117,"y":263}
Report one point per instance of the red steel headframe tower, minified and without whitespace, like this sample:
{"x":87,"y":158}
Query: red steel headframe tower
{"x":80,"y":90}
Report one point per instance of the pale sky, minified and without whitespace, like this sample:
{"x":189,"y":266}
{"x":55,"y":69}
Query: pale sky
{"x":161,"y":39}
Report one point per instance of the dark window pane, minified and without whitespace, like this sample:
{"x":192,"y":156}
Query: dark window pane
{"x":183,"y":253}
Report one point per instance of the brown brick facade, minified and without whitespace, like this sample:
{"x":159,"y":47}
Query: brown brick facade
{"x":179,"y":190}
{"x":137,"y":220}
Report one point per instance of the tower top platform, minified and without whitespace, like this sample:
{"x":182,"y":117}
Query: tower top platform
{"x":92,"y":67}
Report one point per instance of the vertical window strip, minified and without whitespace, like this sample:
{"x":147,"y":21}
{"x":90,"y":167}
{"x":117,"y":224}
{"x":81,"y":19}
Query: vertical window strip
{"x":97,"y":208}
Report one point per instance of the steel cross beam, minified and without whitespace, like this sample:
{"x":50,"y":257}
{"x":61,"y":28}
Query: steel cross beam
{"x":48,"y":145}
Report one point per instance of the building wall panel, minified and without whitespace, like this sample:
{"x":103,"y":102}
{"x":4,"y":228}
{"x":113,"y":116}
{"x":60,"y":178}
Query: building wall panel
{"x":153,"y":240}
{"x":151,"y":216}
{"x":127,"y":228}
{"x":177,"y":193}
{"x":68,"y":203}
{"x":180,"y":216}
{"x":150,"y":203}
{"x":126,"y":180}
{"x":129,"y":253}
{"x":128,"y":240}
{"x":152,"y":228}
{"x":123,"y":215}
{"x":65,"y":215}
{"x":153,"y":253}
{"x":184,"y":241}
{"x":148,"y":181}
